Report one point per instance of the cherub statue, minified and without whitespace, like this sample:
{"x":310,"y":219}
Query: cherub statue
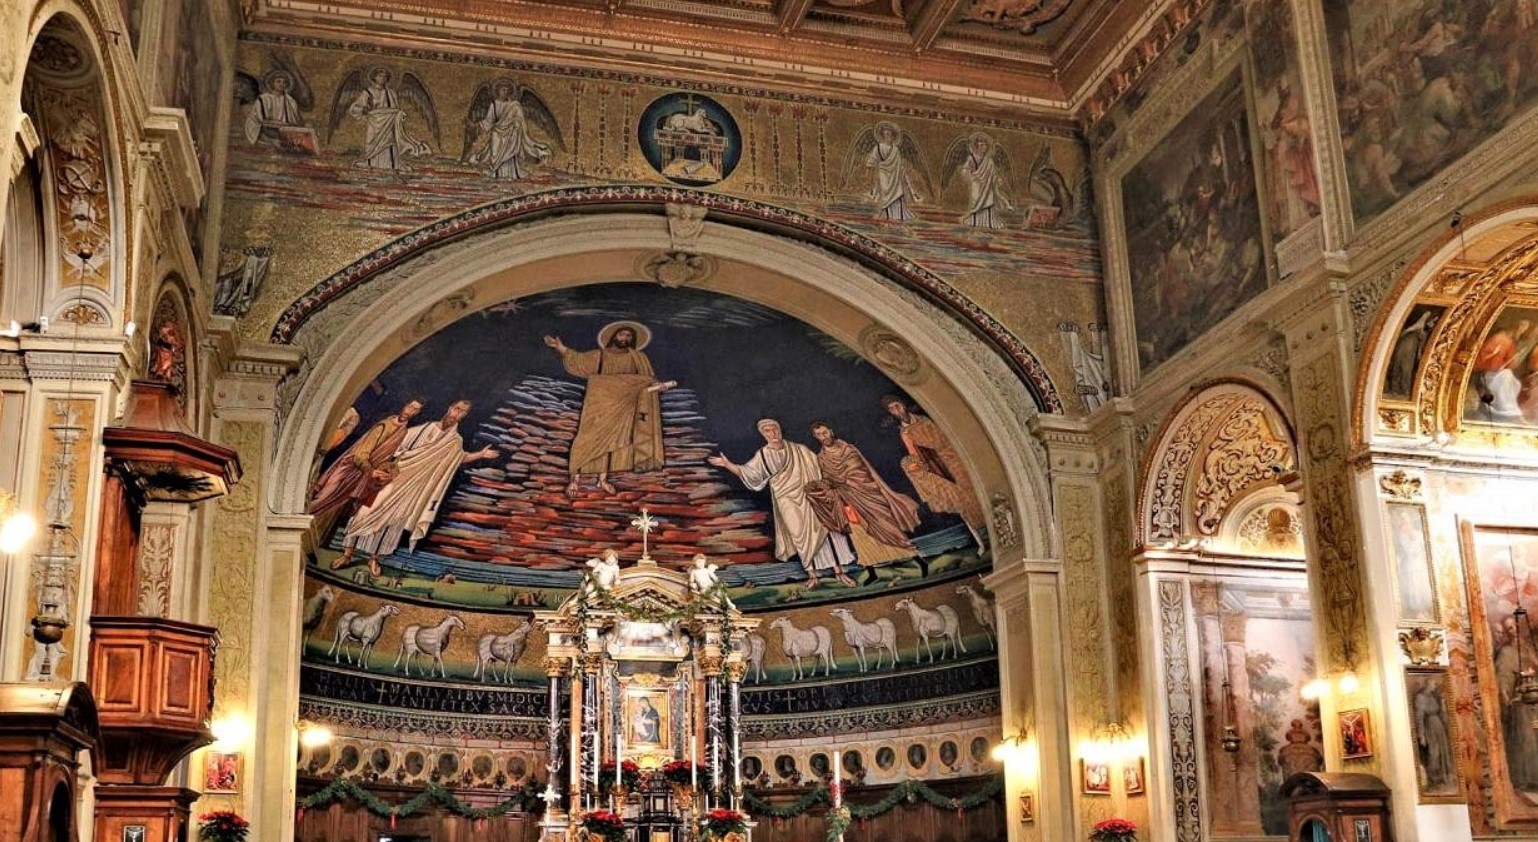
{"x":704,"y":581}
{"x":603,"y":573}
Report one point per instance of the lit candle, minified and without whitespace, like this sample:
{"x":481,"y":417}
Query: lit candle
{"x":838,"y":787}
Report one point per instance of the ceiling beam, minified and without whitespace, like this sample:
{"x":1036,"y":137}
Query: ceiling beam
{"x":791,"y":13}
{"x":931,"y":21}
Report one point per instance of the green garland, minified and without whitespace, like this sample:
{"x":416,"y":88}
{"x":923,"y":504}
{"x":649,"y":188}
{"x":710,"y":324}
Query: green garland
{"x":523,"y":801}
{"x":839,"y":820}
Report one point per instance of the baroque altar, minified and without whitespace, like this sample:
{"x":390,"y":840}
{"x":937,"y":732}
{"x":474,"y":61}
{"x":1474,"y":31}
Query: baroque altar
{"x":644,"y":669}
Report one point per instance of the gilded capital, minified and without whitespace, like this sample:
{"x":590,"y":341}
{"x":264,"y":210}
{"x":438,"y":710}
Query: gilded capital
{"x":556,"y":667}
{"x":711,"y":664}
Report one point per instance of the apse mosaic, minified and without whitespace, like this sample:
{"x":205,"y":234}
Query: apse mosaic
{"x":473,"y":480}
{"x":333,"y":150}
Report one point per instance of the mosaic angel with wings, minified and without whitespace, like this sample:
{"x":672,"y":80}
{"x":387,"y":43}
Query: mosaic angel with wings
{"x":500,"y":129}
{"x":894,"y":160}
{"x":373,"y":97}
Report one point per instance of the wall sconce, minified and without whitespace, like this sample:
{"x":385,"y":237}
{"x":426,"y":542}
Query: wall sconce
{"x":1013,"y":747}
{"x":1344,"y":682}
{"x":16,"y":526}
{"x":231,"y":733}
{"x":313,"y":734}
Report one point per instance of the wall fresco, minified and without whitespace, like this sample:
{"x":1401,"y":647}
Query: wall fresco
{"x":470,"y":480}
{"x":1503,"y":385}
{"x":1194,"y":239}
{"x":1419,"y":84}
{"x":1261,"y":642}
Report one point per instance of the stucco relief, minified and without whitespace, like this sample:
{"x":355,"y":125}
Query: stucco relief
{"x":1217,"y":452}
{"x":55,"y":570}
{"x":1082,"y":586}
{"x":1186,"y":784}
{"x":1320,"y":407}
{"x":231,"y":603}
{"x":1244,"y":453}
{"x":1165,"y":519}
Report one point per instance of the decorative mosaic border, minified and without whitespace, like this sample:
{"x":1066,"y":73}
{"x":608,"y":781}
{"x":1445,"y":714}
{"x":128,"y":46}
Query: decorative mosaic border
{"x":626,"y":198}
{"x":1045,"y":126}
{"x":866,"y":720}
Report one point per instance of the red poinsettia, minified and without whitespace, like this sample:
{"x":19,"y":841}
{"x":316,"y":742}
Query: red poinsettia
{"x":721,"y":821}
{"x":630,"y":775}
{"x":681,"y":771}
{"x":222,"y":826}
{"x":1114,"y":830}
{"x":605,"y":824}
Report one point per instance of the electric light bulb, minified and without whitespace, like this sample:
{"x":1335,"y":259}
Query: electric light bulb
{"x":230,"y":733}
{"x":314,"y":736}
{"x":1314,"y":689}
{"x":1349,"y":684}
{"x":16,"y":531}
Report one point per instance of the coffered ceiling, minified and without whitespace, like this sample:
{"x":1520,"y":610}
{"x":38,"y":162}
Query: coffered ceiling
{"x":1040,"y":55}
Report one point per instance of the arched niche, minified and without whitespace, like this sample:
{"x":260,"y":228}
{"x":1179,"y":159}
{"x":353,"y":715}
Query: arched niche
{"x":168,"y":339}
{"x":1433,"y":345}
{"x":381,"y":307}
{"x":67,"y":95}
{"x":1222,"y":446}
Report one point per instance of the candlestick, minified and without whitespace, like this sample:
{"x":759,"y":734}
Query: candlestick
{"x":837,"y":788}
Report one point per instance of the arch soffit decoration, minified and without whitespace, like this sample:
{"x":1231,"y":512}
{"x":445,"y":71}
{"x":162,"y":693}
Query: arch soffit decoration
{"x":398,"y":299}
{"x":1223,"y":445}
{"x":1474,"y":272}
{"x":63,"y":298}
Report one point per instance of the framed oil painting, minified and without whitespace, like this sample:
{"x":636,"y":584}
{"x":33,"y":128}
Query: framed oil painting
{"x":1501,"y":571}
{"x":1355,"y":734}
{"x":1096,"y":775}
{"x":221,"y":772}
{"x":1409,"y":543}
{"x":1431,"y":723}
{"x":1132,"y":776}
{"x":1195,"y":245}
{"x":648,"y":720}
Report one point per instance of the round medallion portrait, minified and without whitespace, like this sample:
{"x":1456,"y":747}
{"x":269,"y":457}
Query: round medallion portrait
{"x":689,"y":139}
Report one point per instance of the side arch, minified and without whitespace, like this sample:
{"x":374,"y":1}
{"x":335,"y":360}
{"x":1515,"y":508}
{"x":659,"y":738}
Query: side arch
{"x":389,"y":306}
{"x":1467,"y":276}
{"x":1222,"y":445}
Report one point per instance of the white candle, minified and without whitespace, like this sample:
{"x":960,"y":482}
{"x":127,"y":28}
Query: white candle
{"x":838,"y":789}
{"x":619,"y":747}
{"x":694,"y":763}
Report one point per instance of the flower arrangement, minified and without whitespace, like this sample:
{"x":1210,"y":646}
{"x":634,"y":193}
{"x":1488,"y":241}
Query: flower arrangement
{"x":630,"y":775}
{"x":720,"y":822}
{"x":682,"y":772}
{"x":1114,"y":830}
{"x":222,"y":826}
{"x":604,"y":825}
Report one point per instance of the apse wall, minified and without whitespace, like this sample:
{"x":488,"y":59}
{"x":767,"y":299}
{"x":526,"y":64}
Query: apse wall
{"x":430,"y":668}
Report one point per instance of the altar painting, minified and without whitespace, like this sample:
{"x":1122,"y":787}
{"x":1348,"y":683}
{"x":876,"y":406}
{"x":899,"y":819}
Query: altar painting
{"x":488,"y":464}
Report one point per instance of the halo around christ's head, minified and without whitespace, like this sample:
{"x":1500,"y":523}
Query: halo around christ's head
{"x":643,"y":334}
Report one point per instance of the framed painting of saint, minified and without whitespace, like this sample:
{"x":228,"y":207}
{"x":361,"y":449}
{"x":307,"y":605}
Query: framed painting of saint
{"x":648,"y":721}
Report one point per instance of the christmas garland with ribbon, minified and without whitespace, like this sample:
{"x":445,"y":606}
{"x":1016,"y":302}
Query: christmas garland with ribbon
{"x":524,"y":800}
{"x":840,"y":819}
